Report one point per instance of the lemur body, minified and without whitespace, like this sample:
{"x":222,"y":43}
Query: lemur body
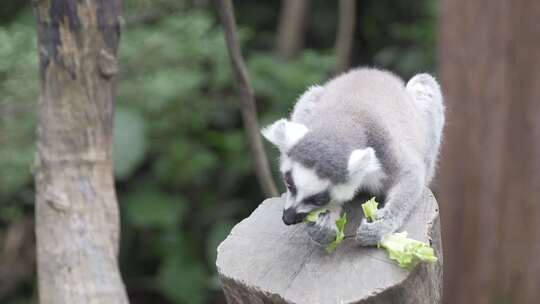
{"x":362,"y":131}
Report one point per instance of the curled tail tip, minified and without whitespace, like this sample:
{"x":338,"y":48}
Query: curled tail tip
{"x":424,"y":86}
{"x":423,"y":79}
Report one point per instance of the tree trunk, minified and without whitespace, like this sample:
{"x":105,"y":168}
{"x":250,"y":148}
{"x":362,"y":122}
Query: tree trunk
{"x":345,"y":35}
{"x":77,"y":221}
{"x":247,"y":99}
{"x":290,"y":33}
{"x":490,"y":169}
{"x":264,"y":261}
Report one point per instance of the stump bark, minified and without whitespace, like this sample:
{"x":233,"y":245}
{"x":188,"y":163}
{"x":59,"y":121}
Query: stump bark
{"x":264,"y":261}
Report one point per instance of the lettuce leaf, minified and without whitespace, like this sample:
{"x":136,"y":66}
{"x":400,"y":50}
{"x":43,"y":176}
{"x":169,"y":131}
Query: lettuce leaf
{"x":340,"y":226}
{"x":370,"y":208}
{"x":405,"y":251}
{"x":340,"y":235}
{"x":314,"y":215}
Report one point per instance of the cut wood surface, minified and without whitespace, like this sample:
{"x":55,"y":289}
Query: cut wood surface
{"x":264,"y":261}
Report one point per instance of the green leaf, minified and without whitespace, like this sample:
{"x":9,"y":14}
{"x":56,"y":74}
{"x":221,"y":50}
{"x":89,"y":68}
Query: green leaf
{"x":196,"y":163}
{"x":19,"y":84}
{"x":370,"y":209}
{"x":129,"y":142}
{"x":217,"y":234}
{"x":15,"y":163}
{"x":340,"y":225}
{"x":405,"y":251}
{"x":314,"y":215}
{"x":183,"y":279}
{"x":151,"y":209}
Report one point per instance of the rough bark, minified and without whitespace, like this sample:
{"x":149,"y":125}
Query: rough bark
{"x":345,"y":34}
{"x":290,"y":31}
{"x":264,"y":261}
{"x":77,"y":221}
{"x":490,"y":170}
{"x":247,"y":99}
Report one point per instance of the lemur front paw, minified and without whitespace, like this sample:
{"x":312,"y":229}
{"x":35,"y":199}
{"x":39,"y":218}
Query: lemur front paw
{"x":324,"y":230}
{"x":370,"y":234}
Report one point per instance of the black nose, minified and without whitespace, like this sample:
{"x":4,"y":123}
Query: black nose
{"x":291,"y":217}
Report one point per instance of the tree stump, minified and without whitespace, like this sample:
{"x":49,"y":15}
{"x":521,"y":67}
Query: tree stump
{"x":264,"y":261}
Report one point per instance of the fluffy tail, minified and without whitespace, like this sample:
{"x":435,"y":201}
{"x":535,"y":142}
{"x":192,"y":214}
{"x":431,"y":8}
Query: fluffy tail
{"x":426,"y":92}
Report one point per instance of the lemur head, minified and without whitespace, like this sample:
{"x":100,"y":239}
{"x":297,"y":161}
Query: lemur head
{"x":318,"y":169}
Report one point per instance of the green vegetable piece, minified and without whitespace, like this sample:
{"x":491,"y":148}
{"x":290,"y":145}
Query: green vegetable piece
{"x":340,"y":226}
{"x":340,"y":235}
{"x":370,"y":209}
{"x":405,"y":251}
{"x":314,"y":215}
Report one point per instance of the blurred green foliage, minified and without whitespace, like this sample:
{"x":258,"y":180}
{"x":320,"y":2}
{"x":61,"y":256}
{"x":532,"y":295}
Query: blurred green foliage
{"x":18,"y":87}
{"x":184,"y":176}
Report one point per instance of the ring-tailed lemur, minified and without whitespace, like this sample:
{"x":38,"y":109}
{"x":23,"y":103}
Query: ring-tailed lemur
{"x":364,"y":131}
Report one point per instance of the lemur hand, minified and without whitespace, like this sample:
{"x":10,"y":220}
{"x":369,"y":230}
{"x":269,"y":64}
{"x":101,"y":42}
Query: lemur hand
{"x":370,"y":234}
{"x":324,"y":230}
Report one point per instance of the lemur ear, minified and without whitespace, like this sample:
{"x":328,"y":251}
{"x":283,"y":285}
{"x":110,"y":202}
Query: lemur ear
{"x":284,"y":134}
{"x":363,"y":161}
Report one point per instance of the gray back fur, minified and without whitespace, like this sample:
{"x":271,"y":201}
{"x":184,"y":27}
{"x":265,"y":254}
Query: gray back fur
{"x":362,"y":108}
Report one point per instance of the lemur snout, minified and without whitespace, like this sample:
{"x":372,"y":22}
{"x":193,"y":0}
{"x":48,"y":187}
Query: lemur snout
{"x":291,"y":217}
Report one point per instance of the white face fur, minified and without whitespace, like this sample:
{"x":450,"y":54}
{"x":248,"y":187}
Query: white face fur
{"x":306,"y":191}
{"x":303,"y":184}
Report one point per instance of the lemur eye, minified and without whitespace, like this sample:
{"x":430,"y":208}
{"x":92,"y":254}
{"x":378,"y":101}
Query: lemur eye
{"x":289,"y":183}
{"x":288,"y":180}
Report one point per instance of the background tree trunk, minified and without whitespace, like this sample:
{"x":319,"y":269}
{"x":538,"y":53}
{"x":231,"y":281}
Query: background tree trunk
{"x":490,"y":169}
{"x":76,"y":210}
{"x":247,"y":99}
{"x":345,"y":35}
{"x":290,"y":33}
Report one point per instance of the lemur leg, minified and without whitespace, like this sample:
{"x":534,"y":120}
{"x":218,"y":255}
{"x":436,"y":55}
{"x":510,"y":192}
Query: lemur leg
{"x":426,"y":92}
{"x":324,"y":230}
{"x":304,"y":106}
{"x":400,"y":201}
